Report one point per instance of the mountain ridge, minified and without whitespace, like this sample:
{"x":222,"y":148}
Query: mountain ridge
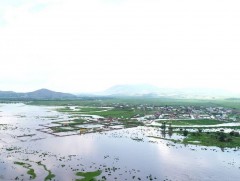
{"x":154,"y":91}
{"x":37,"y":94}
{"x":125,"y":90}
{"x":131,"y":89}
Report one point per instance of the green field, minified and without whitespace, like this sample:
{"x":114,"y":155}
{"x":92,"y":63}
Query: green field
{"x":125,"y":113}
{"x":116,"y":113}
{"x":134,"y":101}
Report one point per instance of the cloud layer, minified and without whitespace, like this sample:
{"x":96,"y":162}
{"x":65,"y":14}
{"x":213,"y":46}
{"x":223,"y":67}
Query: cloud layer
{"x":79,"y":46}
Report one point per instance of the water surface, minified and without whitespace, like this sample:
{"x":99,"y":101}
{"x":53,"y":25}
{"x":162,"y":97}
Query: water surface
{"x":126,"y":154}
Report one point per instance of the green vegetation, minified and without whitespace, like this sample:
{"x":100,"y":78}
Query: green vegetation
{"x":199,"y":137}
{"x":88,"y":176}
{"x":219,"y":139}
{"x":206,"y":127}
{"x":91,"y":109}
{"x":124,"y":113}
{"x":11,"y":149}
{"x":65,"y":109}
{"x":67,"y":126}
{"x":116,"y":112}
{"x":22,"y":164}
{"x":103,"y":101}
{"x":71,"y":122}
{"x":185,"y":132}
{"x":79,"y":102}
{"x":58,"y":129}
{"x":50,"y":175}
{"x":76,"y":121}
{"x":193,"y":122}
{"x":131,"y":123}
{"x":28,"y":166}
{"x":32,"y":173}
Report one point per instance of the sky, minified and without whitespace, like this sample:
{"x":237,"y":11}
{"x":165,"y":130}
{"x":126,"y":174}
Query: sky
{"x":88,"y":46}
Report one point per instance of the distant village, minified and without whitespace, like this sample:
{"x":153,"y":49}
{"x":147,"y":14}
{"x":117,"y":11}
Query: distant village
{"x":189,"y":112}
{"x":180,"y":113}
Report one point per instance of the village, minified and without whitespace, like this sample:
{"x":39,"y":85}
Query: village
{"x":188,"y":112}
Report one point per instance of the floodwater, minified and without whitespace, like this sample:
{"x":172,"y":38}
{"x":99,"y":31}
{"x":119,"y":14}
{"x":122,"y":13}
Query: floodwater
{"x":127,"y":154}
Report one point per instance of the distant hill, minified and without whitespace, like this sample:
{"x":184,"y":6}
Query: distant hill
{"x":7,"y":94}
{"x":131,"y":90}
{"x":179,"y":93}
{"x":38,"y":94}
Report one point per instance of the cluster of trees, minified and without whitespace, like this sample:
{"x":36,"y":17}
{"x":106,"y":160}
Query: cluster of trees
{"x":220,"y":135}
{"x":170,"y":129}
{"x":224,"y":137}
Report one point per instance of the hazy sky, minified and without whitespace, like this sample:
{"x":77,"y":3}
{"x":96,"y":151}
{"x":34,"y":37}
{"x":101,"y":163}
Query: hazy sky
{"x":81,"y":46}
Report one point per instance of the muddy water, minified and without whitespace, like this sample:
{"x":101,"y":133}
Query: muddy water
{"x":128,"y":154}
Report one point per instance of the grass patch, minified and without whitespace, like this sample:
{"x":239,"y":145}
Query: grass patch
{"x":88,"y":176}
{"x":32,"y":173}
{"x":50,"y":176}
{"x":116,"y":113}
{"x":77,"y":121}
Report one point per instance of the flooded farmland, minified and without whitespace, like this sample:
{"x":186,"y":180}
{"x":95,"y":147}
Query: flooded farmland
{"x":125,"y":154}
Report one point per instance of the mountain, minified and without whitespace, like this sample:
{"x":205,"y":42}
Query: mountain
{"x":48,"y":94}
{"x":7,"y":94}
{"x":38,"y":94}
{"x":131,"y":90}
{"x":179,"y":93}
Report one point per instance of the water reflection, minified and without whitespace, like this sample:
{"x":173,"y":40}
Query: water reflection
{"x":163,"y":133}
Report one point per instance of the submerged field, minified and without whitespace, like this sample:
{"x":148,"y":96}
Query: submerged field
{"x":46,"y":143}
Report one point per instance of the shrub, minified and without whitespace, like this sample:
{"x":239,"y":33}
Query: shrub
{"x":234,"y":133}
{"x":185,"y":132}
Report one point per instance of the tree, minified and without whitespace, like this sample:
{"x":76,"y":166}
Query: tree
{"x":163,"y":125}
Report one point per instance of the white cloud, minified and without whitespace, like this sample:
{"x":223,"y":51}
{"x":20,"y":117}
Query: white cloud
{"x":90,"y":45}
